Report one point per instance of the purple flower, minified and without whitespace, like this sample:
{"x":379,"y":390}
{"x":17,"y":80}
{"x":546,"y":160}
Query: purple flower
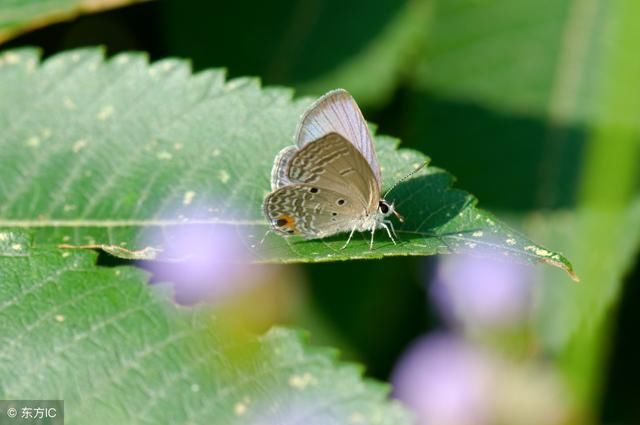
{"x":482,"y":291}
{"x":204,"y":261}
{"x":447,"y":381}
{"x":444,"y":381}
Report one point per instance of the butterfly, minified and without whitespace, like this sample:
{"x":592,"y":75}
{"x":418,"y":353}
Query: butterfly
{"x":329,"y":182}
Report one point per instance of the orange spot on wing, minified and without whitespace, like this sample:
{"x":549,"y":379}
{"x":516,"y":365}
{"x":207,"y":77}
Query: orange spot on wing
{"x":286,"y":223}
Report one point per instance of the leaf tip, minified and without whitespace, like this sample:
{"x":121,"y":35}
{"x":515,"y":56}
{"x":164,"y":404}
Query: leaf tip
{"x":565,"y":265}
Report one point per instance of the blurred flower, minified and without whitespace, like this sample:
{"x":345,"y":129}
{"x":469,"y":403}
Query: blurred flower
{"x":482,"y":291}
{"x":447,"y":381}
{"x":444,"y":382}
{"x":204,"y":262}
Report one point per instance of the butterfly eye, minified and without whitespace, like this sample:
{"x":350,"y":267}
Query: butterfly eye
{"x":340,"y":202}
{"x":384,"y":208}
{"x":313,"y":190}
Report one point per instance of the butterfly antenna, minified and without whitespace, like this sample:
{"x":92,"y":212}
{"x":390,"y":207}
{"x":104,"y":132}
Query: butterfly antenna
{"x":420,"y":167}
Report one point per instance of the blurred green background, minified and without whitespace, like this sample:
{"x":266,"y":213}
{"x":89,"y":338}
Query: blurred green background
{"x":530,"y":104}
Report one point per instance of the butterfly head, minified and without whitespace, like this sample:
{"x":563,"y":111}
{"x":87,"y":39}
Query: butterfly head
{"x":386,"y":209}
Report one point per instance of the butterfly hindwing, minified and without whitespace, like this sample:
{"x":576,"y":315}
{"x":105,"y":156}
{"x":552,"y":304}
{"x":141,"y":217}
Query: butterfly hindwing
{"x":280,"y":168}
{"x":310,"y":211}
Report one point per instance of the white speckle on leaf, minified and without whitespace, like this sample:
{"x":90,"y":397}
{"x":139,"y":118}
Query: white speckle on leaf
{"x":300,"y":382}
{"x":511,"y":241}
{"x":167,"y":66}
{"x":75,"y":57}
{"x":66,"y":238}
{"x":538,"y":251}
{"x":164,"y":155}
{"x":215,"y":152}
{"x":16,"y":247}
{"x":106,"y":112}
{"x":356,"y":418}
{"x":46,"y":133}
{"x":122,"y":60}
{"x":195,"y":388}
{"x":178,"y":146}
{"x":69,"y":207}
{"x":4,"y":236}
{"x":59,"y":317}
{"x":470,"y":244}
{"x":79,"y":145}
{"x":152,"y":72}
{"x":490,"y":222}
{"x":123,"y":243}
{"x":33,"y":141}
{"x":66,"y":254}
{"x":11,"y":58}
{"x":188,"y":197}
{"x":240,"y":408}
{"x":543,"y":252}
{"x":224,"y":176}
{"x":478,"y":234}
{"x":68,"y":103}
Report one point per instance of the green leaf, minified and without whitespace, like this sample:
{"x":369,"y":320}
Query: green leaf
{"x":533,"y":57}
{"x":117,"y":352}
{"x":523,"y":77}
{"x":373,"y":73}
{"x":314,"y":46}
{"x":19,"y":16}
{"x":572,"y":320}
{"x":126,"y":150}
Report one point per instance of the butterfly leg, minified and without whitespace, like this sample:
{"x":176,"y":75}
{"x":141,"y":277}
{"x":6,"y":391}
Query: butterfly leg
{"x":265,"y":236}
{"x":383,"y":224}
{"x":373,"y":232}
{"x":393,"y":229}
{"x":349,"y":239}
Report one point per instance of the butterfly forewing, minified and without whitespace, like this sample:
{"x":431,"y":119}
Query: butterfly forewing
{"x":332,"y":162}
{"x":337,"y":112}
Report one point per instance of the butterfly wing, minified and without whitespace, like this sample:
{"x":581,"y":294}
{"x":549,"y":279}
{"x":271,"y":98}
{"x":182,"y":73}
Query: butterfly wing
{"x":332,"y":162}
{"x":330,"y":189}
{"x":337,"y":112}
{"x":309,"y":211}
{"x":279,"y":176}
